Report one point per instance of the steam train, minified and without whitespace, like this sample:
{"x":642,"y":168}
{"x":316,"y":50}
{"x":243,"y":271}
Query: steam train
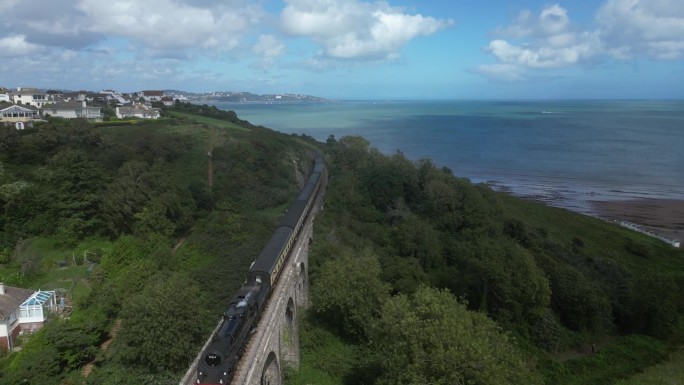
{"x":220,"y":358}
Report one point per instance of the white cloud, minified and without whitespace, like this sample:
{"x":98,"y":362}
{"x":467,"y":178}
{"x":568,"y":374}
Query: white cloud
{"x":167,"y":24}
{"x":547,"y":41}
{"x":654,"y":28}
{"x":160,"y":25}
{"x":625,"y":29}
{"x":545,"y":56}
{"x":350,"y":29}
{"x":269,"y":48}
{"x":553,"y":20}
{"x":520,"y":28}
{"x":16,"y":45}
{"x":501,"y":72}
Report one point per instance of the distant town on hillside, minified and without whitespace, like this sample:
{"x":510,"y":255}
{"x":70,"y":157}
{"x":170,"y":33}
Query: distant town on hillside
{"x":22,"y":106}
{"x":242,"y":96}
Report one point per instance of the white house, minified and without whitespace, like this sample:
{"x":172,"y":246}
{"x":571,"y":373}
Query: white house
{"x":11,"y":299}
{"x":168,"y":101}
{"x":152,"y":96}
{"x":73,"y":110}
{"x":137,"y":111}
{"x":4,"y":96}
{"x":116,"y":96}
{"x":29,"y":96}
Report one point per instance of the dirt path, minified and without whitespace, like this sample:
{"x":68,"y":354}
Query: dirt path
{"x":112,"y":333}
{"x":583,"y":350}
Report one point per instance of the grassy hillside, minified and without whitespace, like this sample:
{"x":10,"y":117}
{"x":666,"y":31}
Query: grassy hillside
{"x":120,"y":216}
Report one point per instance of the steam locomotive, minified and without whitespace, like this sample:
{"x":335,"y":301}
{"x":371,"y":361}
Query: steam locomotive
{"x":219,"y":360}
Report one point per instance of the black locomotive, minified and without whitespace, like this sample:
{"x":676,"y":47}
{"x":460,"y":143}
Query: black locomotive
{"x":219,"y":360}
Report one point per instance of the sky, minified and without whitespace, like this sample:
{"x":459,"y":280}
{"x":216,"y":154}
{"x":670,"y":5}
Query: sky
{"x":350,"y":49}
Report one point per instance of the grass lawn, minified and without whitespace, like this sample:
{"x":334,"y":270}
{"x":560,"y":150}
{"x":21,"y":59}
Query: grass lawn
{"x":210,"y":121}
{"x":69,"y":277}
{"x":670,"y":372}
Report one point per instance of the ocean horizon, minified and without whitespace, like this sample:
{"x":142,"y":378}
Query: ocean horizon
{"x":567,"y":153}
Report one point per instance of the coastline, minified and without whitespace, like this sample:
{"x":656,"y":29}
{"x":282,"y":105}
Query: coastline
{"x":662,"y":216}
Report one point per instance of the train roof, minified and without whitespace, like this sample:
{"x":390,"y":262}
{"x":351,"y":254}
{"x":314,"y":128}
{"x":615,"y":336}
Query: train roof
{"x":269,"y":254}
{"x":293,"y":213}
{"x":306,"y":192}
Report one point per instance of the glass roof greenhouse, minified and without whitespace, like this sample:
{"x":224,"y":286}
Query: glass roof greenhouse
{"x":38,"y":298}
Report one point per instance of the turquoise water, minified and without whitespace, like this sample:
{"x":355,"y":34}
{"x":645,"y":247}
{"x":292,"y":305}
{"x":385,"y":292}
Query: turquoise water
{"x":565,"y":152}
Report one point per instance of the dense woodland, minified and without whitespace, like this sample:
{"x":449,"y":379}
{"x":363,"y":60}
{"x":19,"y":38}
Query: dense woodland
{"x":421,"y":277}
{"x":418,"y":276}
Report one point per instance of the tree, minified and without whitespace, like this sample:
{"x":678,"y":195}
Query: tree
{"x":162,"y":325}
{"x":76,"y":184}
{"x":8,"y":138}
{"x":503,"y":279}
{"x":126,"y":196}
{"x":59,"y":347}
{"x":430,"y":338}
{"x":416,"y":238}
{"x":353,"y":293}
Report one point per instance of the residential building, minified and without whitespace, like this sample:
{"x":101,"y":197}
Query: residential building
{"x":4,"y":95}
{"x":18,"y":115}
{"x":119,"y":97}
{"x":73,"y":110}
{"x":152,"y":96}
{"x":55,"y":95}
{"x":137,"y":111}
{"x":78,"y":96}
{"x":29,"y":96}
{"x":11,"y":299}
{"x":168,"y":101}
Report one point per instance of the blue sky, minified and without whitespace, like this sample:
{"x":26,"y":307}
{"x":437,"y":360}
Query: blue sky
{"x":350,"y":49}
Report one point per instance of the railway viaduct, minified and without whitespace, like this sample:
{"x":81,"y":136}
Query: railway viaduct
{"x":275,"y":343}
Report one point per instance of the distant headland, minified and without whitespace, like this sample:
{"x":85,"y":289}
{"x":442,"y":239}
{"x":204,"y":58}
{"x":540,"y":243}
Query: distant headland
{"x":246,"y":97}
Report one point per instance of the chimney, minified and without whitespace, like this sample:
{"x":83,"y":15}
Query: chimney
{"x":2,"y":288}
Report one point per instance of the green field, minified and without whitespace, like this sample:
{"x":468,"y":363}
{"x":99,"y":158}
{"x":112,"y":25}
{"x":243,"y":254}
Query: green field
{"x":210,"y":121}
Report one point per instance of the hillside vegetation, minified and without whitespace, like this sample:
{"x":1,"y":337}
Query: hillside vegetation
{"x":420,"y":277}
{"x":121,"y":219}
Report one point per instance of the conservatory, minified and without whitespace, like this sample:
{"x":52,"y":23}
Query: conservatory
{"x":33,"y":311}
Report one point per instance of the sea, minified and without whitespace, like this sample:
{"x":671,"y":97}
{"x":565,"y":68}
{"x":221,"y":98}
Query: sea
{"x":564,"y":153}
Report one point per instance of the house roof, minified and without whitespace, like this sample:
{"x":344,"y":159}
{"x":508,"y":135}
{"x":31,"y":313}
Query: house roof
{"x":153,"y":93}
{"x":12,"y":299}
{"x":27,"y":91}
{"x":24,"y":107}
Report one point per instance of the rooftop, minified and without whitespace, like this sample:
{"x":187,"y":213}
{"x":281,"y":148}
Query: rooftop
{"x":11,"y":298}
